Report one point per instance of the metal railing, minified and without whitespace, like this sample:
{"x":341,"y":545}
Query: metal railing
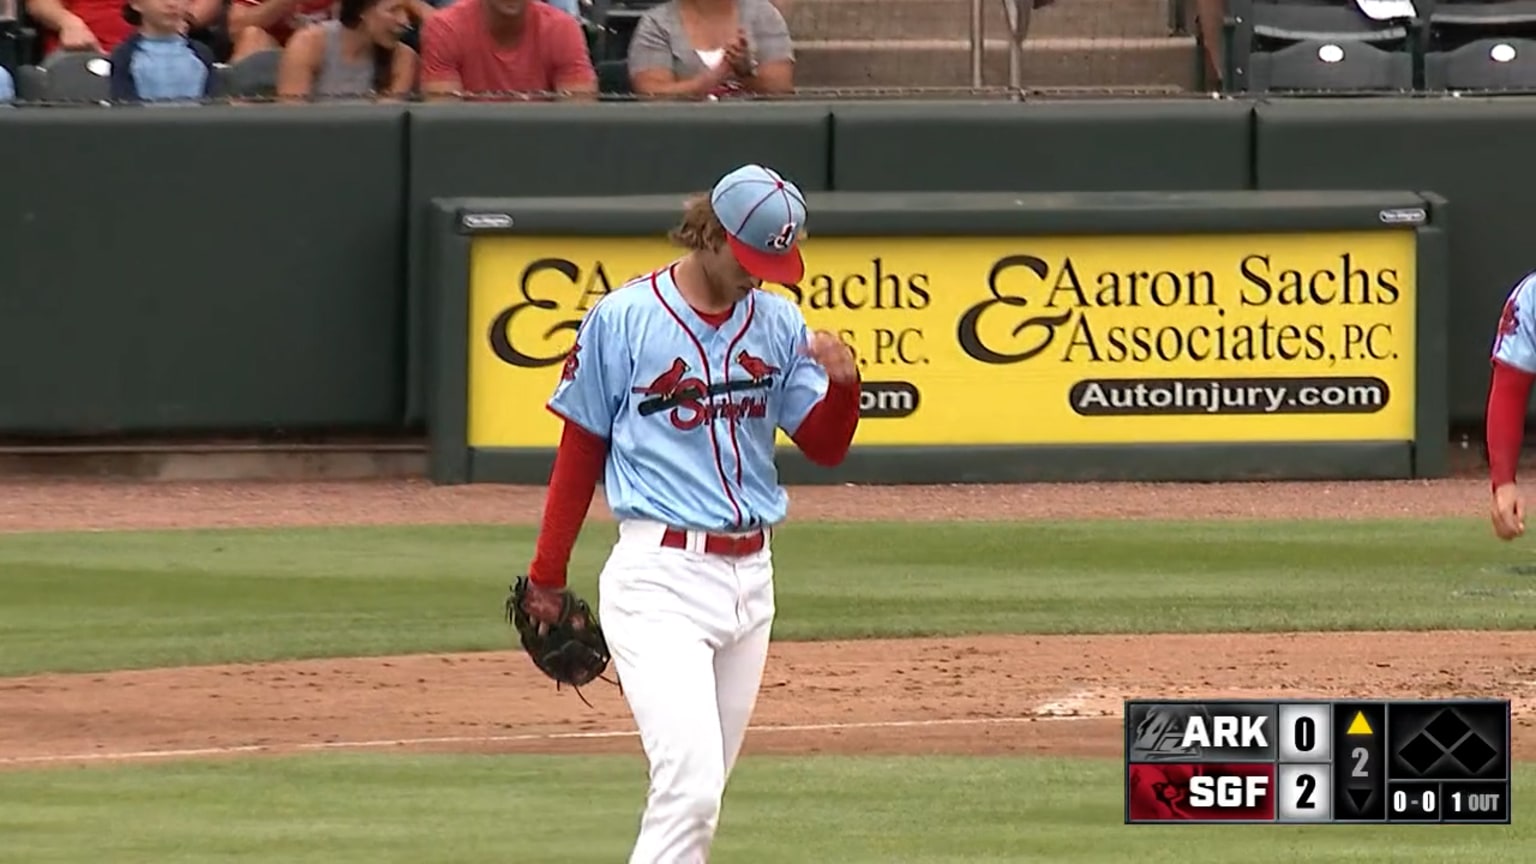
{"x":1017,"y":13}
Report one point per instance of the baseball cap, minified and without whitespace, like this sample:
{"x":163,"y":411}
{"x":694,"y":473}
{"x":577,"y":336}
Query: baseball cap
{"x":763,"y":215}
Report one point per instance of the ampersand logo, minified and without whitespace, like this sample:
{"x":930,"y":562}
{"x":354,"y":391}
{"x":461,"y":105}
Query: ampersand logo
{"x":968,"y":331}
{"x":501,"y":340}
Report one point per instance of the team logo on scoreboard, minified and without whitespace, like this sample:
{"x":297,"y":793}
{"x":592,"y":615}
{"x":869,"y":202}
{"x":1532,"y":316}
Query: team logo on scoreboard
{"x":1159,"y":737}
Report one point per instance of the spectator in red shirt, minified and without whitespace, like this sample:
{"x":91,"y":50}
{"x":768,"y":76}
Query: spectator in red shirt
{"x":98,"y":25}
{"x":505,"y":47}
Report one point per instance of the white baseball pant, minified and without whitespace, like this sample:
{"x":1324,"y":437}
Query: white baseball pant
{"x":689,"y":634}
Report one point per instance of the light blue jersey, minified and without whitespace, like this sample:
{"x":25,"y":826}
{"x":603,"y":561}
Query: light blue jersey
{"x":1515,"y":342}
{"x":690,"y":411}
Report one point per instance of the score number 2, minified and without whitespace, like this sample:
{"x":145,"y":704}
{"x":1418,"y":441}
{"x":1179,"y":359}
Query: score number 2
{"x":1308,"y":784}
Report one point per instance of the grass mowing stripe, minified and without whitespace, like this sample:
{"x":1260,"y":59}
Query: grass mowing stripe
{"x":854,"y":810}
{"x":81,"y":602}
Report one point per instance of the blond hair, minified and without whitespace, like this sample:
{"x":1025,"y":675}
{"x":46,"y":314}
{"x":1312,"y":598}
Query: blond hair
{"x":700,"y":228}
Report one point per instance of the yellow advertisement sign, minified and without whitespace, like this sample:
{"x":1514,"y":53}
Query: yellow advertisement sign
{"x":1023,"y":340}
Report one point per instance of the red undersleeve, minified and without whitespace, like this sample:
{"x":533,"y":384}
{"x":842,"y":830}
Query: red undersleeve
{"x":827,"y":431}
{"x":572,"y":483}
{"x":1507,"y":399}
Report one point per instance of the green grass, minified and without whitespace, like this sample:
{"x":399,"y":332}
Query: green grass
{"x":112,"y":600}
{"x":472,"y":809}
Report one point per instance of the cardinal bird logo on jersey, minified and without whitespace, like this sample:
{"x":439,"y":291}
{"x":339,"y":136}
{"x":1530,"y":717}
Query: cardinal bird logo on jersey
{"x":755,"y":366}
{"x":691,"y":403}
{"x":568,"y":371}
{"x":667,"y":383}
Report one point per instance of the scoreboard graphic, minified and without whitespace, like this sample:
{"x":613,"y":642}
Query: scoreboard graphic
{"x":1308,"y":762}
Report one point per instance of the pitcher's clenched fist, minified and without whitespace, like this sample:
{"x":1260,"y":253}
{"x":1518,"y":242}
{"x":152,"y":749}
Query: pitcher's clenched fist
{"x":1508,"y":512}
{"x":833,"y":355}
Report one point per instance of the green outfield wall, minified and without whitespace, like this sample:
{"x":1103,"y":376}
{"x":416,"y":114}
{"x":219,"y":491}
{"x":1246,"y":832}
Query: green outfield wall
{"x":266,"y":268}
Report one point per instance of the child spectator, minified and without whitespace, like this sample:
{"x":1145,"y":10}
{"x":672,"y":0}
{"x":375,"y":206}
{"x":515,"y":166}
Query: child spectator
{"x":358,"y":54}
{"x":703,"y":49}
{"x":505,"y":47}
{"x":159,"y":62}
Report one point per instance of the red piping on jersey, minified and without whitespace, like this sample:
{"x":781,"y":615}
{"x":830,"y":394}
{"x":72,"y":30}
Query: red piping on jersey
{"x":704,"y":358}
{"x":730,"y":351}
{"x":1508,"y":394}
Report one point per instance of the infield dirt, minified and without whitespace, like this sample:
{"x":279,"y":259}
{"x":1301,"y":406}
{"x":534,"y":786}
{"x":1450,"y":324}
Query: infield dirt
{"x":994,"y":694}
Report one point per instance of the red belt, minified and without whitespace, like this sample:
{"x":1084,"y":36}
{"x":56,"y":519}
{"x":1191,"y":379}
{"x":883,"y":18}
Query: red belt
{"x":717,"y":544}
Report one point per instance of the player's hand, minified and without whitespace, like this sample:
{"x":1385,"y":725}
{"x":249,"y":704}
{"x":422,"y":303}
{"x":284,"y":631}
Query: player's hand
{"x":833,"y":355}
{"x":1508,"y":512}
{"x":543,"y":604}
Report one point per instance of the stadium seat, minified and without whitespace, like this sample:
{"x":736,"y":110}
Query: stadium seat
{"x":1453,"y":24}
{"x":254,"y":77}
{"x":1330,"y":67}
{"x":67,"y":77}
{"x":17,"y":43}
{"x":1486,"y":64}
{"x":1260,"y":26}
{"x":1292,"y":21}
{"x":613,"y":78}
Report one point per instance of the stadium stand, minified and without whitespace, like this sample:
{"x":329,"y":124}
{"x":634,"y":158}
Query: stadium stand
{"x":911,"y":47}
{"x":1101,"y":45}
{"x":1317,"y":45}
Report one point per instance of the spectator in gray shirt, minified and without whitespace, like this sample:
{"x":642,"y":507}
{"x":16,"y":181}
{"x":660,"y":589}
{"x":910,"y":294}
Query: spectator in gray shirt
{"x":711,"y":49}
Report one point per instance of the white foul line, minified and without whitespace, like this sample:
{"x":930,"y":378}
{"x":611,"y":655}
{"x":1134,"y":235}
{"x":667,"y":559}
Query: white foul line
{"x":504,"y":739}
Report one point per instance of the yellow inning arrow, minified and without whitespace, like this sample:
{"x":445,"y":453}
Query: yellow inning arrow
{"x":1358,"y":726}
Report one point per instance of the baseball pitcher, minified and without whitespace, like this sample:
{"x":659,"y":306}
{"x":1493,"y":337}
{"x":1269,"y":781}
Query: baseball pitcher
{"x":1514,"y":368}
{"x":673,"y":392}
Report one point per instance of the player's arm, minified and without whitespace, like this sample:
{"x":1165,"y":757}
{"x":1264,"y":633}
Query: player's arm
{"x":821,"y":398}
{"x":1514,"y":370}
{"x":1508,"y":394}
{"x":572,"y":485}
{"x":592,"y":386}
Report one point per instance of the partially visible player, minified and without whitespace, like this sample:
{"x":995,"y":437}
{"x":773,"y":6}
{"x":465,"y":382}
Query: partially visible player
{"x":1514,"y":369}
{"x":673,"y":391}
